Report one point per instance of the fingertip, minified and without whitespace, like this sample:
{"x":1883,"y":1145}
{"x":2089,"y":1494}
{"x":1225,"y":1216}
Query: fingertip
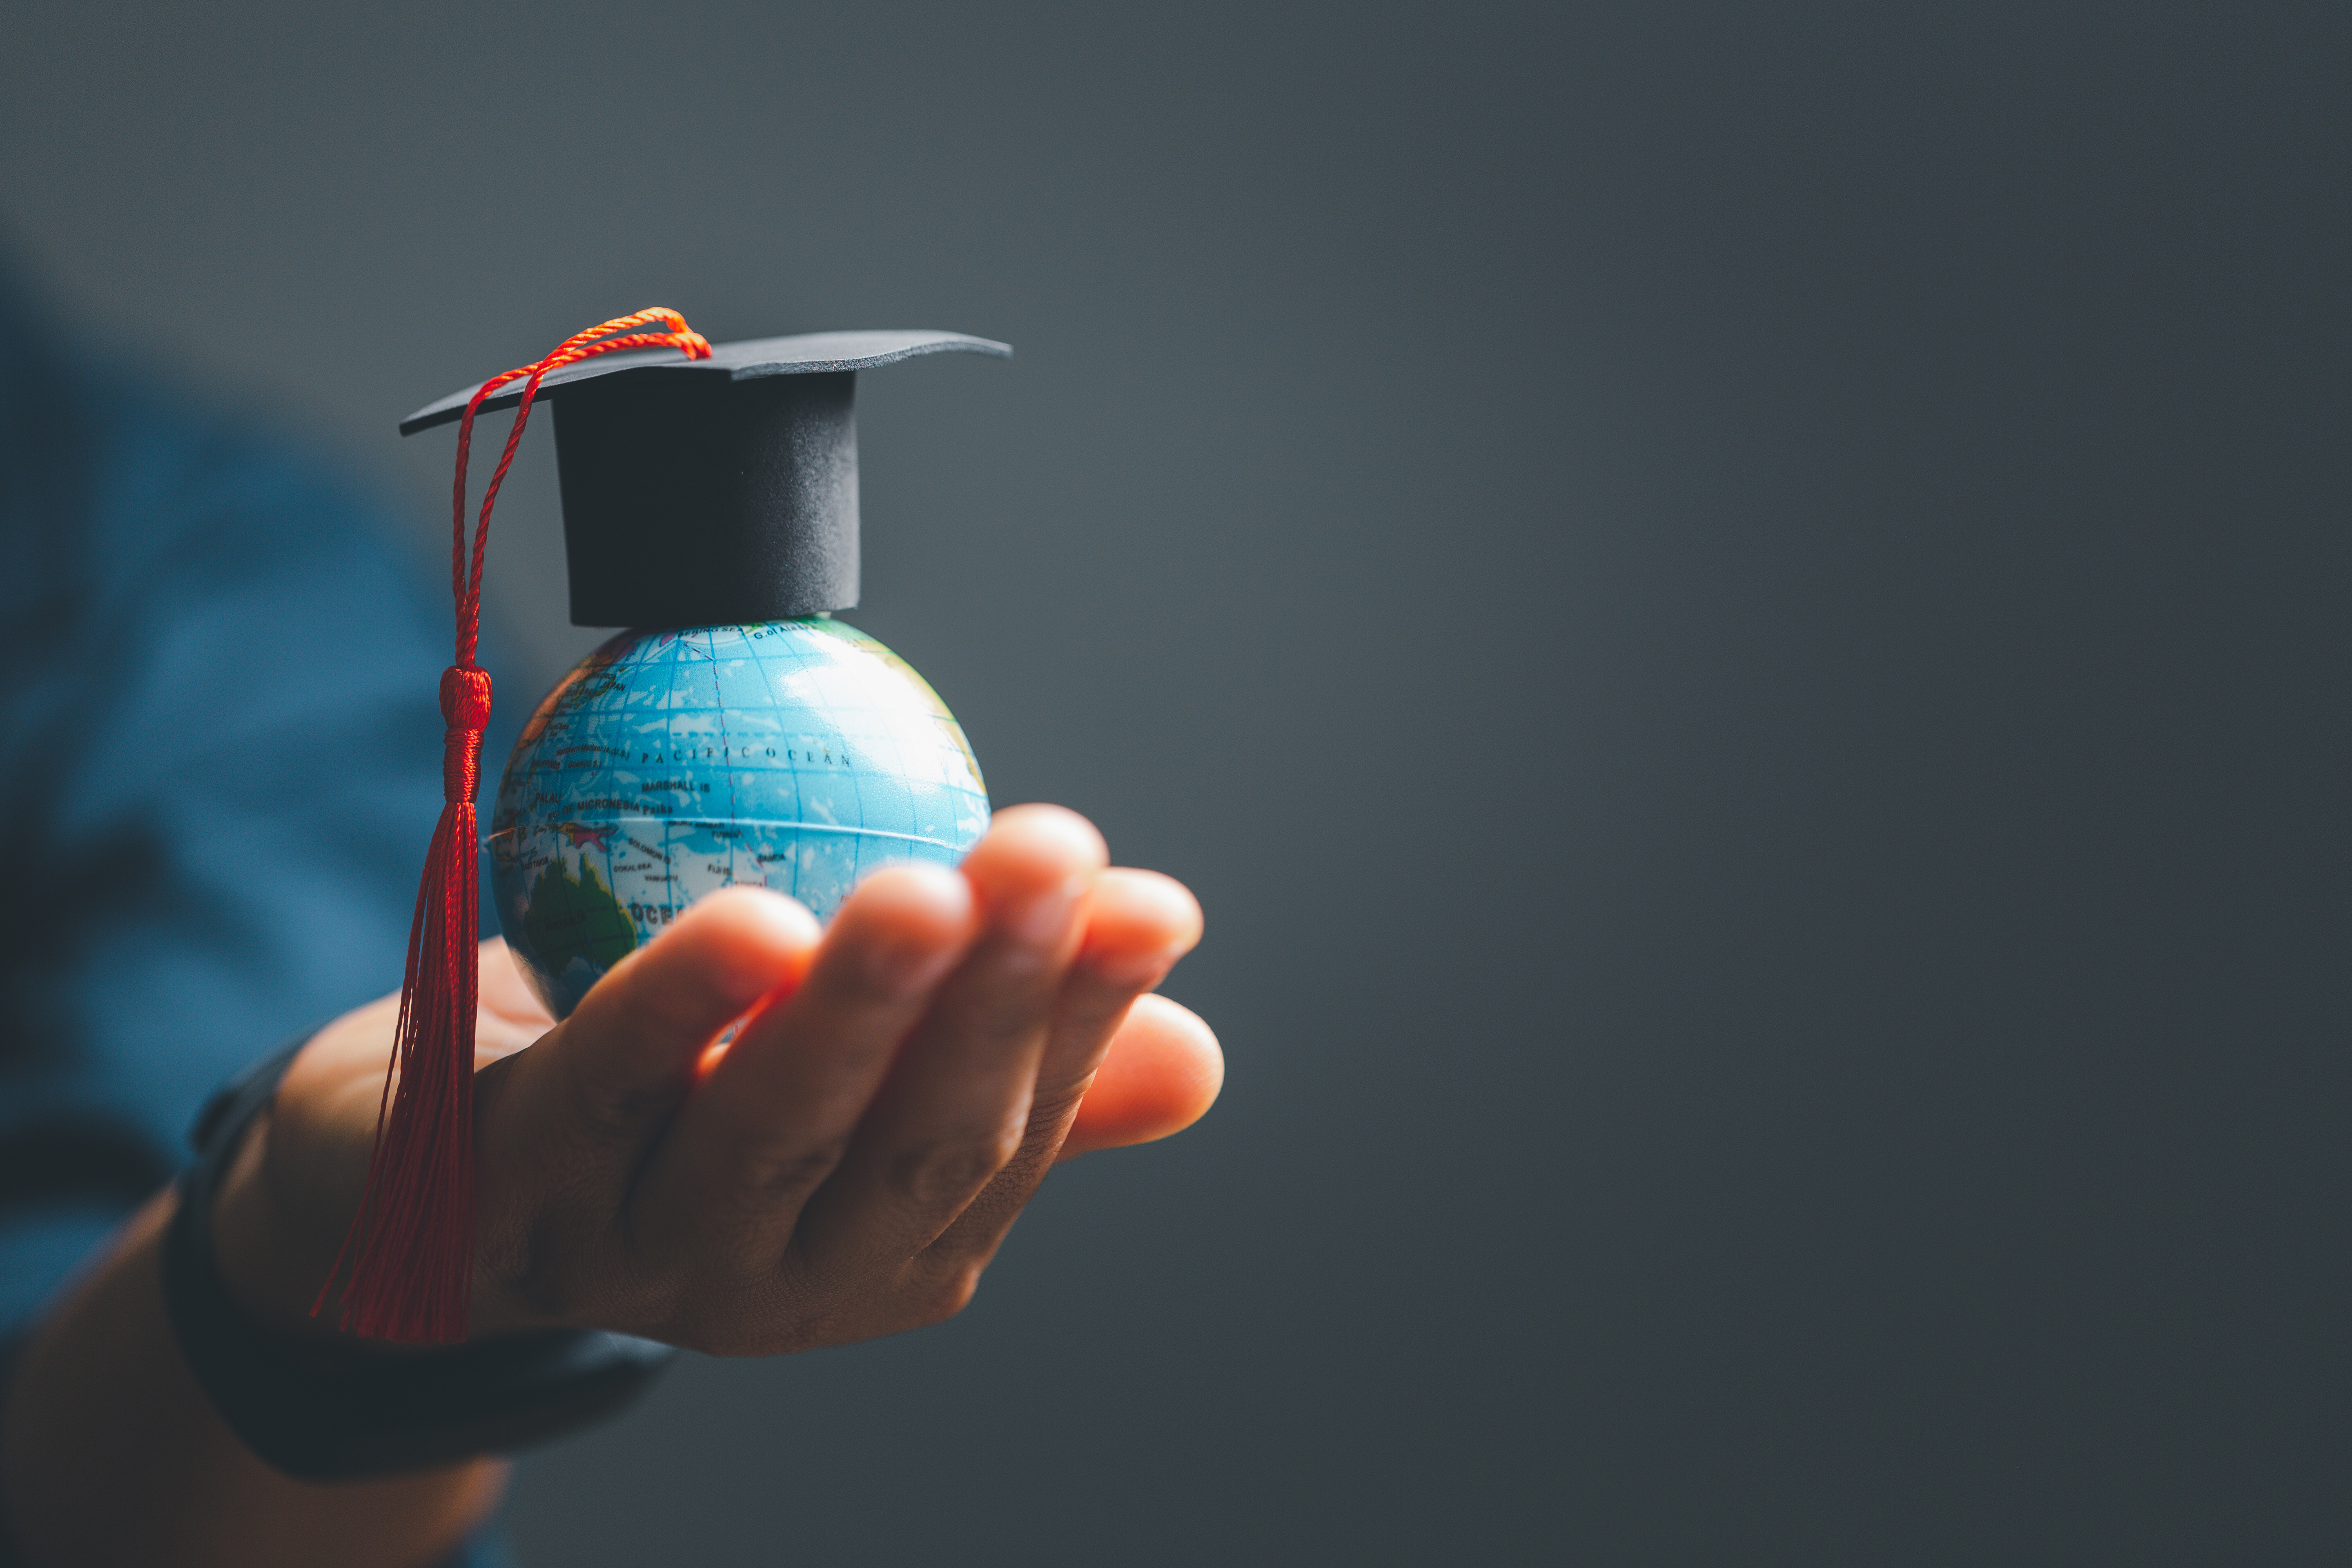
{"x":1043,"y":821}
{"x":906,"y":924}
{"x":1139,"y":923}
{"x":742,"y":942}
{"x":1187,"y":1058}
{"x":1032,"y":874}
{"x":914,"y":890}
{"x":1032,"y":844}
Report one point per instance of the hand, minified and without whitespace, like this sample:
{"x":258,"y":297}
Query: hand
{"x":845,"y":1167}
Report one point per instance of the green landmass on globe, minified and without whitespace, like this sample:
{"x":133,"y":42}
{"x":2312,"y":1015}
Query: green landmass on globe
{"x":571,"y":914}
{"x":797,"y":756}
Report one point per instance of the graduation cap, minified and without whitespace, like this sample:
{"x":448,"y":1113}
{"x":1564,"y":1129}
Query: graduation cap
{"x":712,"y":492}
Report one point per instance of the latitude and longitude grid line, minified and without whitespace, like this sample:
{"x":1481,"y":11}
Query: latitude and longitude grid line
{"x":679,"y":678}
{"x":802,"y":660}
{"x":726,"y":749}
{"x":681,"y":661}
{"x":620,"y":700}
{"x":617,"y":702}
{"x":650,"y":662}
{"x":751,"y":647}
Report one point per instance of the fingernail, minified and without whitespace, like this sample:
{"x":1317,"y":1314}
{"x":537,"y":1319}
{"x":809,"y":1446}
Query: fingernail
{"x":1043,"y":919}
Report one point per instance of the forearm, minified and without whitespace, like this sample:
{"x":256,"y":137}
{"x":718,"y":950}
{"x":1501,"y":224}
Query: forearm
{"x":109,"y":1452}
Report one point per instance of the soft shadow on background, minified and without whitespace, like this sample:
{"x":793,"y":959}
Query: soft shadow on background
{"x":1738,"y":617}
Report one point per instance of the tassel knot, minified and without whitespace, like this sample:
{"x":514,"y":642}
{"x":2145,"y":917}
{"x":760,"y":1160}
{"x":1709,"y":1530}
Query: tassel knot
{"x":465,"y":698}
{"x":466,"y":706}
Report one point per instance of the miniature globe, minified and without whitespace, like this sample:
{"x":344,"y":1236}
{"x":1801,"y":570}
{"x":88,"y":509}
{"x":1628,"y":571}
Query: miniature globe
{"x":797,"y":756}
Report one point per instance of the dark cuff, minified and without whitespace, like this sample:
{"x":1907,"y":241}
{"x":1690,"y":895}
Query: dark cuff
{"x":326,"y":1411}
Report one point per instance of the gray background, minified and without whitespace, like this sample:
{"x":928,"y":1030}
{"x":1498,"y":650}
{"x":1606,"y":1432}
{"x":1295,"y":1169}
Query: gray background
{"x":1735,"y":612}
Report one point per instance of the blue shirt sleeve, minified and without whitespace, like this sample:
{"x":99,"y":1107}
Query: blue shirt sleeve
{"x":219,"y":756}
{"x":219,"y":767}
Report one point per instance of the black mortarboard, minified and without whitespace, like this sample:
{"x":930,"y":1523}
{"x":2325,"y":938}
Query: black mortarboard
{"x":714,"y":491}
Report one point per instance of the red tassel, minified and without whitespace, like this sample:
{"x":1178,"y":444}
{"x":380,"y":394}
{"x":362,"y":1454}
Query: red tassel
{"x":416,"y":1225}
{"x":412,"y":1241}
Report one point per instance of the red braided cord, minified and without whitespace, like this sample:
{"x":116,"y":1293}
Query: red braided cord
{"x":412,"y":1241}
{"x":468,"y":587}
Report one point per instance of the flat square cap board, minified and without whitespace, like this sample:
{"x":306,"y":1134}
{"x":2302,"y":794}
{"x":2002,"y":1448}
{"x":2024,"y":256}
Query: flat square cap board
{"x":716,"y":491}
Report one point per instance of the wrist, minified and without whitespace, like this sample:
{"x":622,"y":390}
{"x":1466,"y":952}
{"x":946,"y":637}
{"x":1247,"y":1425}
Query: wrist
{"x":277,"y":1235}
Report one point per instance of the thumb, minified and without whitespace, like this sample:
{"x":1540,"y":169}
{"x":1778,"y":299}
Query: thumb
{"x":1159,"y":1076}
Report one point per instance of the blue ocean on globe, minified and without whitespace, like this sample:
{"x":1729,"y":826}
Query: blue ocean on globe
{"x":797,"y":756}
